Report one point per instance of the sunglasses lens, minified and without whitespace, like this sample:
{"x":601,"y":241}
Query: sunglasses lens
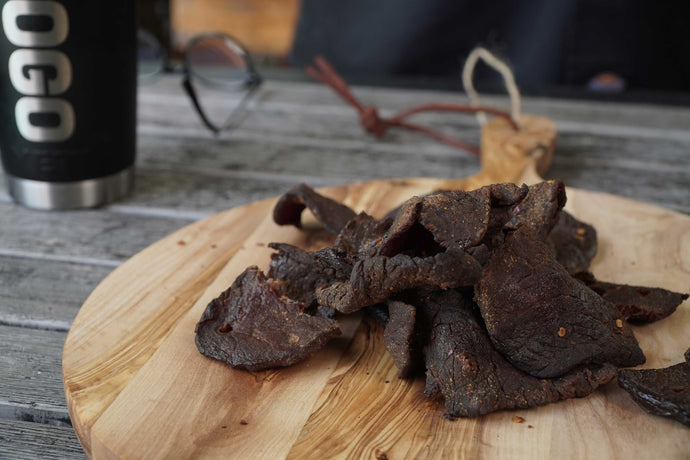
{"x":150,"y":60}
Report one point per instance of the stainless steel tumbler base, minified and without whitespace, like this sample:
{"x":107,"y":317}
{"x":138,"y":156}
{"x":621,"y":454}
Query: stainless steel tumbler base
{"x":71,"y":195}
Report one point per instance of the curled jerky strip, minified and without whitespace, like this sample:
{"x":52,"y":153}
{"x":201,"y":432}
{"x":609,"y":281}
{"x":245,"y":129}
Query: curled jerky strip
{"x":375,"y":279}
{"x":374,"y":124}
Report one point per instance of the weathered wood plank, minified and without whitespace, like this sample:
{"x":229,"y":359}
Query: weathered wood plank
{"x":203,"y":190}
{"x":93,"y":237}
{"x":636,"y":168}
{"x":194,"y":177}
{"x":655,"y":172}
{"x":31,"y":381}
{"x":23,"y":440}
{"x":330,"y":127}
{"x":44,"y":294}
{"x":296,"y":157}
{"x":307,"y":97}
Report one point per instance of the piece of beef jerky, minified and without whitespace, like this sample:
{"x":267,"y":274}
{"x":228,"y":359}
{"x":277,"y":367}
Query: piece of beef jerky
{"x":427,"y":225}
{"x":332,"y":215}
{"x":398,"y":336}
{"x":540,"y":208}
{"x":474,"y":379}
{"x":456,"y":219}
{"x":505,"y":198}
{"x":574,"y":243}
{"x":664,"y":392}
{"x":543,"y":320}
{"x":402,"y":233}
{"x":300,"y":272}
{"x":635,"y":303}
{"x":359,"y":235}
{"x":376,"y":278}
{"x":251,"y":326}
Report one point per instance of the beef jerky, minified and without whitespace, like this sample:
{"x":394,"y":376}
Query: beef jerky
{"x":638,"y":304}
{"x":574,"y":243}
{"x":544,"y":321}
{"x":456,"y":219}
{"x":474,"y":379}
{"x":359,"y":235}
{"x":300,"y":272}
{"x":251,"y":326}
{"x":400,"y":236}
{"x":425,"y":226}
{"x":664,"y":392}
{"x":332,"y":215}
{"x":505,"y":198}
{"x":375,"y":279}
{"x":398,"y":336}
{"x":540,"y":208}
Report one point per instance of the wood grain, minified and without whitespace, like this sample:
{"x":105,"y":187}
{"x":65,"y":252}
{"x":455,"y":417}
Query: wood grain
{"x":30,"y":377}
{"x":27,"y":283}
{"x":295,"y":131}
{"x":22,"y":440}
{"x":633,"y":150}
{"x":137,"y":386}
{"x":114,"y":397}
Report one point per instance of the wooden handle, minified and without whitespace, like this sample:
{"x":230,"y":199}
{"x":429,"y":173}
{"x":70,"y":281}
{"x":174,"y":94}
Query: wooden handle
{"x":507,"y":155}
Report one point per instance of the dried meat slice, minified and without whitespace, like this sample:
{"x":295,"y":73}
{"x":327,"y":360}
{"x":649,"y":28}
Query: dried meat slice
{"x":377,"y":278}
{"x":456,"y":218}
{"x":332,"y":215}
{"x":403,"y":232}
{"x":474,"y":379}
{"x":505,"y":199}
{"x":359,"y":235}
{"x":574,"y":243}
{"x":544,"y":321}
{"x":300,"y":272}
{"x":399,"y":338}
{"x":664,"y":392}
{"x":251,"y":326}
{"x":443,"y":219}
{"x":636,"y":303}
{"x":541,"y":207}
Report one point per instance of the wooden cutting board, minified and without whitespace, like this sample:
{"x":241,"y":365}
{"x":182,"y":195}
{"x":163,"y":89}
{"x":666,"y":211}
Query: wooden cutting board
{"x":137,"y":387}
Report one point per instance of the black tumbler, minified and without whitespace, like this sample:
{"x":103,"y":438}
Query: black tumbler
{"x":68,"y":101}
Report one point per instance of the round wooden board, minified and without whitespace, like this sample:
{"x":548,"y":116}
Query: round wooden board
{"x":137,"y":387}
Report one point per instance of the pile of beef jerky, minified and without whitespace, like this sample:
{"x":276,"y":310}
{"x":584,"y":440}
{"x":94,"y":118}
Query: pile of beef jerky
{"x":485,"y":292}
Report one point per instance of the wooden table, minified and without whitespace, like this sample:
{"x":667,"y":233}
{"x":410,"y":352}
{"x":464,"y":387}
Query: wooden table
{"x":294,"y":132}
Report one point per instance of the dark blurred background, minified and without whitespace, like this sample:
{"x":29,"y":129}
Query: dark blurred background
{"x":608,"y":49}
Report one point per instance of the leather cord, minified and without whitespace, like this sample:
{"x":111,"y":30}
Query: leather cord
{"x":374,"y":124}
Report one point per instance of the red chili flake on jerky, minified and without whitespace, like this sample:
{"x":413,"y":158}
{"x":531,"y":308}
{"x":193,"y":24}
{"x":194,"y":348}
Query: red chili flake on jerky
{"x":524,"y":293}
